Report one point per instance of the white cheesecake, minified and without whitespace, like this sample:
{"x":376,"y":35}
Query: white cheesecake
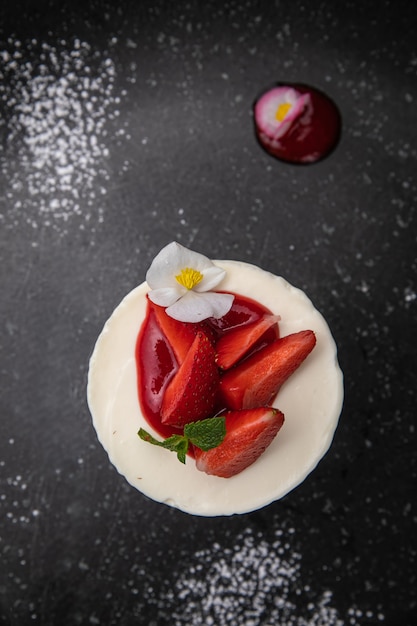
{"x":311,"y":401}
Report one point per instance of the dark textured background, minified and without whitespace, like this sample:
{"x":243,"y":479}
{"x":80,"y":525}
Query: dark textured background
{"x":177,"y":159}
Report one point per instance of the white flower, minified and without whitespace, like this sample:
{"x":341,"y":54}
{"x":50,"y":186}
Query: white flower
{"x":182,"y":280}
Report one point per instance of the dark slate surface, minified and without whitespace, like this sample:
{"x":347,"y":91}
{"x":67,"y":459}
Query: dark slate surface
{"x":121,"y":130}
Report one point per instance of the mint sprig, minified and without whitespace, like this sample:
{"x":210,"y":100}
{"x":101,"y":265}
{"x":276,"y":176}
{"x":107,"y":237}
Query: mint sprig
{"x":205,"y":434}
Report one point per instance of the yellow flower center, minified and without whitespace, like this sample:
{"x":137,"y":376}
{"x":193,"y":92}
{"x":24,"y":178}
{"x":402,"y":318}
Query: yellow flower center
{"x":189,"y":278}
{"x":282,"y":111}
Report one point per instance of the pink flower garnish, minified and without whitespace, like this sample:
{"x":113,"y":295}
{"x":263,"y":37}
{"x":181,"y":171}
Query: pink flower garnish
{"x":277,"y":109}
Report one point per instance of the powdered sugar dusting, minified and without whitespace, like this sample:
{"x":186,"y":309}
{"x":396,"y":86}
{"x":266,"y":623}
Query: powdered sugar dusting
{"x":253,"y":582}
{"x":56,"y":100}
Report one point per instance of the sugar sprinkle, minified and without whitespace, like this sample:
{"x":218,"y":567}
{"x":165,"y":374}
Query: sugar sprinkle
{"x":55,"y":103}
{"x":253,"y":582}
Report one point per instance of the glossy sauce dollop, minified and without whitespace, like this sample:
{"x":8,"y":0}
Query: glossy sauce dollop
{"x":297,"y":135}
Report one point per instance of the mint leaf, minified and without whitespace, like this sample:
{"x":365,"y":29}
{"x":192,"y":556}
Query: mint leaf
{"x":178,"y":444}
{"x":175,"y":443}
{"x":206,"y":434}
{"x":148,"y":437}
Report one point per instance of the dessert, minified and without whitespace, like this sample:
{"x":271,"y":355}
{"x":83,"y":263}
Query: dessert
{"x":296,"y":123}
{"x":284,"y":449}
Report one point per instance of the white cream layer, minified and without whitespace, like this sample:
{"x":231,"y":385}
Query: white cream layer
{"x":311,"y":401}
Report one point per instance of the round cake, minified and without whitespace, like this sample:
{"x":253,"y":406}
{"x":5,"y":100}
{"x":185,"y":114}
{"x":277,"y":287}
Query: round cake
{"x":311,"y":400}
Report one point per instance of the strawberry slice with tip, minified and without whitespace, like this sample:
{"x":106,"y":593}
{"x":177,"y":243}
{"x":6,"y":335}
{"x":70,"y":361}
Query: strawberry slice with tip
{"x":248,"y":433}
{"x":257,"y":380}
{"x":235,"y":344}
{"x":192,"y":393}
{"x":180,"y":335}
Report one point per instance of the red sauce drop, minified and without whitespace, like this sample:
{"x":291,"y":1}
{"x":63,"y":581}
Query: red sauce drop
{"x":311,"y":136}
{"x":156,"y":363}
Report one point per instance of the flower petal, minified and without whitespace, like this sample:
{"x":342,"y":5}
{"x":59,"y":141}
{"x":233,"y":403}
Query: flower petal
{"x":220,"y":303}
{"x":212,"y":276}
{"x":165,"y":266}
{"x":298,"y":106}
{"x":166,"y":296}
{"x":189,"y":258}
{"x":195,"y":307}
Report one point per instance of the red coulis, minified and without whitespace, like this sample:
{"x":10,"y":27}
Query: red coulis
{"x":156,"y":363}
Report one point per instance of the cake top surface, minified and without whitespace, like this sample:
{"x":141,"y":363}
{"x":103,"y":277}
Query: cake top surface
{"x":311,"y":401}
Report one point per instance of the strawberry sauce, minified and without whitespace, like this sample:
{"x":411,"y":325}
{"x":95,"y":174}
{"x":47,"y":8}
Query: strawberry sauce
{"x":311,"y":136}
{"x":156,"y":363}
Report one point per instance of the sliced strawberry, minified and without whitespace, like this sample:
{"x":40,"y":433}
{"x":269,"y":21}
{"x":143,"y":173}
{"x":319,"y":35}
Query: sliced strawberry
{"x":180,"y":335}
{"x":235,"y":344}
{"x":192,"y":393}
{"x":256,"y":381}
{"x":248,"y":433}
